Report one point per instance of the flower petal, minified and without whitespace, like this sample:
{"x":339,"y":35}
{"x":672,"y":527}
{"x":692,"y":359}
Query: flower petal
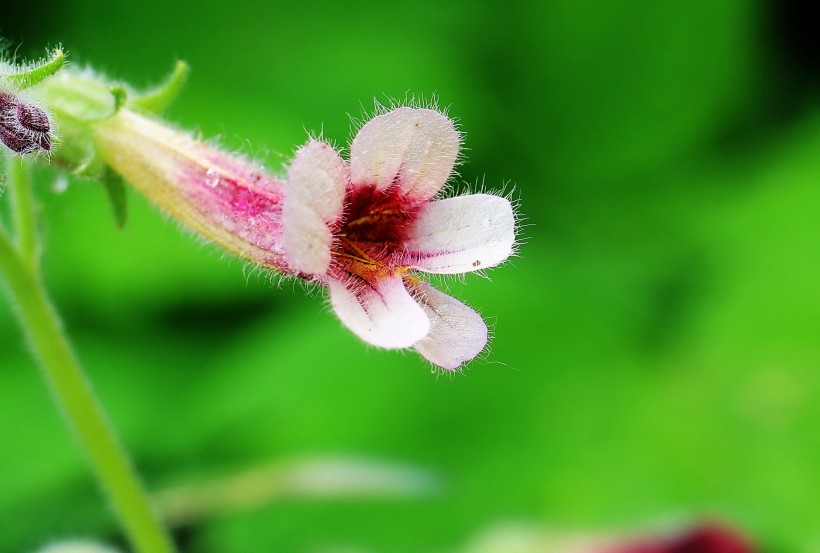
{"x":462,"y":234}
{"x":315,"y":192}
{"x":307,"y":243}
{"x":318,"y":177}
{"x":383,"y":314}
{"x":457,"y":333}
{"x":414,"y":148}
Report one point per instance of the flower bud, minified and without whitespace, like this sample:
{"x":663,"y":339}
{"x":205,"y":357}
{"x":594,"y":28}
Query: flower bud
{"x":24,"y":127}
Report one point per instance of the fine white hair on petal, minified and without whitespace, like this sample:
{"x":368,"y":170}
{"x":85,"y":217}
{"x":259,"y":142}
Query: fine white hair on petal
{"x":314,"y":195}
{"x":457,"y":333}
{"x":462,"y":234}
{"x":414,"y":148}
{"x":383,"y":314}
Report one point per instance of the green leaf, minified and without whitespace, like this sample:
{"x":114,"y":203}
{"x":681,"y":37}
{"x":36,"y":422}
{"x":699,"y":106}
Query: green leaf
{"x":32,"y":76}
{"x":161,"y":97}
{"x":116,"y":191}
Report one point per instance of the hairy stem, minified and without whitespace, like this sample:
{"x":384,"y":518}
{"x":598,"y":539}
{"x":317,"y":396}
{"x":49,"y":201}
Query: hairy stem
{"x":22,"y":210}
{"x":69,"y":386}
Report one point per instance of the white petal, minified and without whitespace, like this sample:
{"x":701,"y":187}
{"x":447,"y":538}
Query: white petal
{"x":315,"y":192}
{"x":414,"y":148}
{"x":307,"y":240}
{"x":462,"y":234}
{"x":458,"y":333}
{"x":384,"y":314}
{"x":317,"y":177}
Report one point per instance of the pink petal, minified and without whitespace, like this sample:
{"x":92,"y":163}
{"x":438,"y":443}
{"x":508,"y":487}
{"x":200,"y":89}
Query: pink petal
{"x":315,"y":192}
{"x":462,"y":234}
{"x":414,"y":148}
{"x":383,"y":314}
{"x":457,"y":334}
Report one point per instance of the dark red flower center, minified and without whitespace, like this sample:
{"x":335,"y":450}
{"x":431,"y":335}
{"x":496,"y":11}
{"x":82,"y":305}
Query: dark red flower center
{"x":372,"y":232}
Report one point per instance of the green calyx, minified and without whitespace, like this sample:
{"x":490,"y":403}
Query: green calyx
{"x":158,"y":99}
{"x":80,"y":100}
{"x":21,"y":79}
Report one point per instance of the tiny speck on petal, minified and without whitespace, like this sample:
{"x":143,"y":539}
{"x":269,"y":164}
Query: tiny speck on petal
{"x":462,"y":234}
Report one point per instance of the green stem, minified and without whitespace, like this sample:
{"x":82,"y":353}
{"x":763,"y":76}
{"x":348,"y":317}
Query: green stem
{"x":82,"y":411}
{"x":22,"y":210}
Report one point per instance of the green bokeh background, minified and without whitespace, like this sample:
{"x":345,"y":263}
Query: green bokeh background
{"x":657,"y":342}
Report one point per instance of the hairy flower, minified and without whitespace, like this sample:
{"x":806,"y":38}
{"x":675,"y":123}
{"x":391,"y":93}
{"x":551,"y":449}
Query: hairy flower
{"x":24,"y":127}
{"x":363,"y":229}
{"x":368,"y":228}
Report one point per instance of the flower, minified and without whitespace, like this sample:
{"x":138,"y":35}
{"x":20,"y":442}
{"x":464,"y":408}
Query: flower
{"x":364,"y":229}
{"x":24,"y":127}
{"x":368,"y":228}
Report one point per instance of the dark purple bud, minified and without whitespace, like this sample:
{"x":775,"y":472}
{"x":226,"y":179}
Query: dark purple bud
{"x":45,"y":142}
{"x":32,"y":118}
{"x":24,"y":128}
{"x":16,"y":142}
{"x":8,"y":104}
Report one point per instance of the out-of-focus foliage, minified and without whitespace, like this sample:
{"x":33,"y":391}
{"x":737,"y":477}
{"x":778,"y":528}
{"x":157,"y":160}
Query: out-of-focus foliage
{"x":656,"y":352}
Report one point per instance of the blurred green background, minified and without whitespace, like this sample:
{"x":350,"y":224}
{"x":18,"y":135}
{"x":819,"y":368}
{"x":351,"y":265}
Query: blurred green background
{"x":657,"y":342}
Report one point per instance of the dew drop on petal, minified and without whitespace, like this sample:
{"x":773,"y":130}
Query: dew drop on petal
{"x":212,"y":178}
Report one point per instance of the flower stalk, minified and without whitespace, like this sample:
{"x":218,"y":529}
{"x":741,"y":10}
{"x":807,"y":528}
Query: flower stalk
{"x":65,"y":377}
{"x":23,"y":214}
{"x":365,"y":228}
